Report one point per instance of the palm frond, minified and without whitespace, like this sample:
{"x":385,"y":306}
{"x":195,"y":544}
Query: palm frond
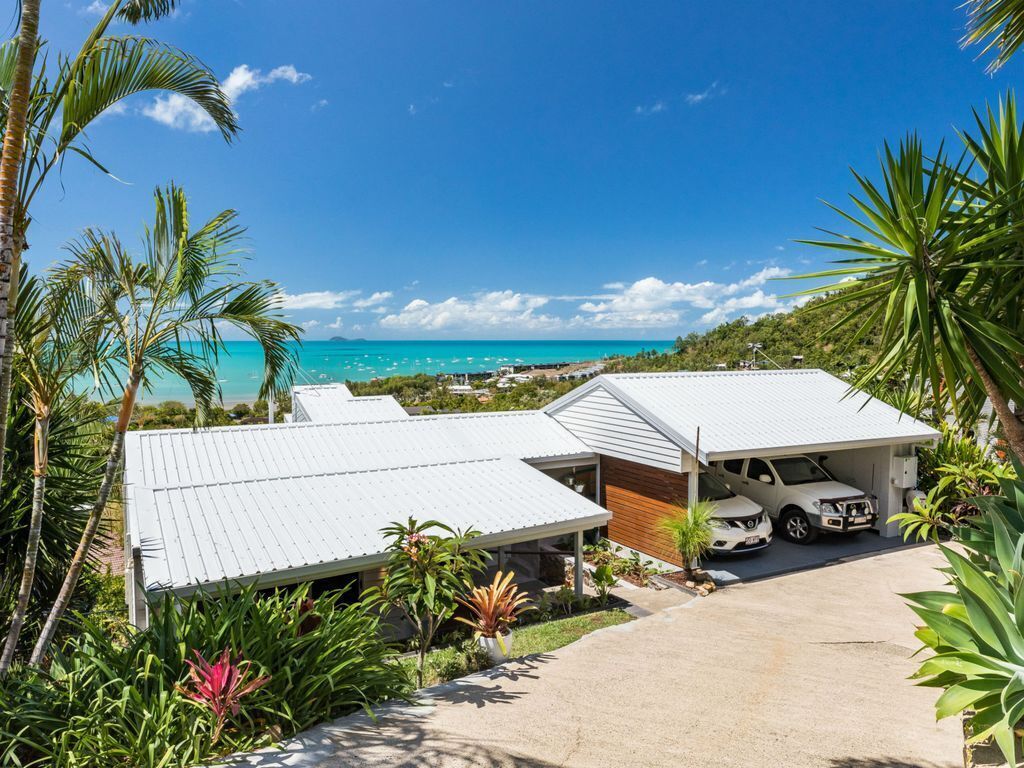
{"x":998,"y":25}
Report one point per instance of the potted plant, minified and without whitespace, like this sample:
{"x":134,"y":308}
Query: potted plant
{"x":494,"y":609}
{"x":690,"y":531}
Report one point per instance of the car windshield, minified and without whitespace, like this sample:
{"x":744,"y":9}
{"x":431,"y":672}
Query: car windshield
{"x":799,"y":470}
{"x":710,"y":488}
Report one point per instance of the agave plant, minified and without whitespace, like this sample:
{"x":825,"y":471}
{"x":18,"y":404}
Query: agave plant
{"x":495,"y":608}
{"x":220,"y":686}
{"x":977,"y":631}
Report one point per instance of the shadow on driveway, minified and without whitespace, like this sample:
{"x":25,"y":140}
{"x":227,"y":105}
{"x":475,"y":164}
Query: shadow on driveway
{"x":783,"y":557}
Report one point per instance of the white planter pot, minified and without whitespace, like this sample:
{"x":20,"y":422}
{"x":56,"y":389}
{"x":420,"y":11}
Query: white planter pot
{"x":494,"y":652}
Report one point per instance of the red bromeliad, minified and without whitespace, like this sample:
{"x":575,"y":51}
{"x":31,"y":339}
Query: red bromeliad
{"x":220,"y":686}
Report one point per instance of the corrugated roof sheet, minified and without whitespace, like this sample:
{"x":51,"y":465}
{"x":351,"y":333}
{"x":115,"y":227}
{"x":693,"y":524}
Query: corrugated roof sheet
{"x":334,"y":403}
{"x":259,"y":451}
{"x":751,"y":412}
{"x":285,"y":528}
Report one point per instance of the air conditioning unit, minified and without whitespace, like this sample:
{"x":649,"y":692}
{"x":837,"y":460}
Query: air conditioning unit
{"x":904,"y":471}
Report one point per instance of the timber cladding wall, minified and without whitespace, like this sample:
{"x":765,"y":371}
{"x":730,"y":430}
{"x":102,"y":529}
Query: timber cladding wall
{"x":638,"y":496}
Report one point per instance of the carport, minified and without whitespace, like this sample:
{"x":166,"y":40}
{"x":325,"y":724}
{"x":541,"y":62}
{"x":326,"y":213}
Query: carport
{"x":654,"y":431}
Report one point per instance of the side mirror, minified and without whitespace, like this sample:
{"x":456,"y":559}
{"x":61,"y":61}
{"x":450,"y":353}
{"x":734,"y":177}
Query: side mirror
{"x":728,"y":485}
{"x":765,"y":478}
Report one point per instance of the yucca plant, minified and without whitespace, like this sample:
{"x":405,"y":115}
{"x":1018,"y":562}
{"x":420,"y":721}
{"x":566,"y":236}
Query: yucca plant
{"x":495,"y":608}
{"x":935,"y":264}
{"x":689,"y":528}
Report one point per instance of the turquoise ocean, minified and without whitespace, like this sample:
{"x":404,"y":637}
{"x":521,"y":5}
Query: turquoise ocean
{"x":324,"y":362}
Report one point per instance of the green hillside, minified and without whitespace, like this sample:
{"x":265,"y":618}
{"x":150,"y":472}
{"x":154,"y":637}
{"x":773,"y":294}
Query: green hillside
{"x":782,"y":337}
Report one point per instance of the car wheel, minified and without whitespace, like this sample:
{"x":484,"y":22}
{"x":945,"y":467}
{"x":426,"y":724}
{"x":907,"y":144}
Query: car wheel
{"x":796,"y":527}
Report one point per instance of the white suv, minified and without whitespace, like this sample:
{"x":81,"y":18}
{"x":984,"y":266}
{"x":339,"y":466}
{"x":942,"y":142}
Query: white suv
{"x":739,"y":525}
{"x":801,"y":495}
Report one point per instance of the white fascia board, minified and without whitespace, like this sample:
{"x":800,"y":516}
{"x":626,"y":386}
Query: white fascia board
{"x":556,"y":462}
{"x":849,"y":445}
{"x":379,"y":559}
{"x":572,"y":396}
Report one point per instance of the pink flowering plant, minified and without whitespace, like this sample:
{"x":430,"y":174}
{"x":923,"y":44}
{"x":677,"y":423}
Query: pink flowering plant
{"x":429,"y":566}
{"x":220,"y":686}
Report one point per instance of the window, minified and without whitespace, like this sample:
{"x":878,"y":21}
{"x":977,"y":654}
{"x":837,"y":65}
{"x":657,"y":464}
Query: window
{"x":710,"y":488}
{"x":799,"y":470}
{"x":758,"y":467}
{"x":735,"y":466}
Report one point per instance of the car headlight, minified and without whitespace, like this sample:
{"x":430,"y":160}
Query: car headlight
{"x":720,"y":524}
{"x":826,"y":508}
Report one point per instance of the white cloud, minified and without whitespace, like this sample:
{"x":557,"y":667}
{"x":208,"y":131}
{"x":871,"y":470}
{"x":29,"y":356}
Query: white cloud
{"x":412,"y":109}
{"x":495,"y":309}
{"x":309,"y":324}
{"x":316,"y":299}
{"x":244,"y":78}
{"x":95,"y":8}
{"x":318,"y":105}
{"x":654,"y":303}
{"x":646,"y":110}
{"x":702,"y":263}
{"x":448,"y":84}
{"x":693,"y":99}
{"x":177,"y":111}
{"x":374,"y":299}
{"x":337,"y":325}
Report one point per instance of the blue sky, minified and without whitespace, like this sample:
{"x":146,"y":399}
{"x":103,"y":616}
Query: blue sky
{"x":538,"y":169}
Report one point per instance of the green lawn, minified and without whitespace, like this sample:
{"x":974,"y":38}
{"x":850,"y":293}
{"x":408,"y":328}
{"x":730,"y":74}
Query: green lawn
{"x":456,"y":661}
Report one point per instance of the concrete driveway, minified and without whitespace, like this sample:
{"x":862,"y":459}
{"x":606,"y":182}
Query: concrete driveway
{"x":802,"y":670}
{"x":784,"y":557}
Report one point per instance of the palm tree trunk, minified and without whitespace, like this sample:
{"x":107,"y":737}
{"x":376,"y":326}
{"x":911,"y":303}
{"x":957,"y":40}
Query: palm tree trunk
{"x":114,"y":456}
{"x":7,"y":362}
{"x":1013,"y":428}
{"x":42,"y":438}
{"x":10,"y":161}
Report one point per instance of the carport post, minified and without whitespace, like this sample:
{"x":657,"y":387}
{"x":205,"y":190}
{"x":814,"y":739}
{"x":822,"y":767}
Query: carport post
{"x":577,"y":577}
{"x":502,"y":558}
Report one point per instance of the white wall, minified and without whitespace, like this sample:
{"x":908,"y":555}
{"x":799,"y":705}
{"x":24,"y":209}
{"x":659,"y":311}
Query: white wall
{"x":870,"y":470}
{"x":611,"y":428}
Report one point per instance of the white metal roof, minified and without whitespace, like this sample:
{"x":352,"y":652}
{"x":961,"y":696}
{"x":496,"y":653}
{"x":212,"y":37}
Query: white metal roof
{"x":285,"y":529}
{"x":756,"y":412}
{"x":334,"y":403}
{"x":186,"y":456}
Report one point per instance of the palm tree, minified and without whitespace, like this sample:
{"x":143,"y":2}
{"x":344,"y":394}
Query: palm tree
{"x":106,"y":70}
{"x":56,"y":336}
{"x":20,"y":88}
{"x":164,"y":314}
{"x":1000,"y":23}
{"x":690,"y":531}
{"x":937,"y":264}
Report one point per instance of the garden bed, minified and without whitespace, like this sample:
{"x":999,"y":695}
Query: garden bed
{"x":464,"y":657}
{"x":632,"y":569}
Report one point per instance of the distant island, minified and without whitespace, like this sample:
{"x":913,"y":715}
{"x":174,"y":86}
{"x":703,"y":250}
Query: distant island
{"x":342,"y":338}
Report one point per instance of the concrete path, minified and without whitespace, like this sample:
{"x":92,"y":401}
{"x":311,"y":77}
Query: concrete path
{"x":802,"y":670}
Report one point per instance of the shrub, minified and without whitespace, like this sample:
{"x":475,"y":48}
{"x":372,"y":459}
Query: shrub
{"x":425,"y":573}
{"x":604,"y":580}
{"x":690,"y":531}
{"x":494,"y":608}
{"x":105,"y":704}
